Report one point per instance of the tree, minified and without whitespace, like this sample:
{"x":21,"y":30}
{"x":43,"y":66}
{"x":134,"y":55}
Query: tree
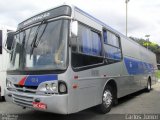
{"x":151,"y":46}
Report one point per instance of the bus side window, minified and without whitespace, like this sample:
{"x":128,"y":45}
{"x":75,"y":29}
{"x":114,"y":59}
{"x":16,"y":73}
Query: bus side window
{"x":89,"y":41}
{"x":0,"y":41}
{"x":96,"y":44}
{"x":105,"y":36}
{"x":112,"y":47}
{"x":89,"y":48}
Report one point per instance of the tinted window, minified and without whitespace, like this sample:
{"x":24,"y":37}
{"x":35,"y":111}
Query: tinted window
{"x":112,"y":39}
{"x":105,"y":36}
{"x":0,"y":41}
{"x":112,"y":52}
{"x":89,"y":41}
{"x":112,"y":46}
{"x":41,"y":47}
{"x":87,"y":50}
{"x":9,"y":42}
{"x":49,"y":40}
{"x":96,"y":43}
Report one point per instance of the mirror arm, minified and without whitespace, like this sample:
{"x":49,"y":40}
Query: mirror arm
{"x":73,"y":39}
{"x":8,"y":51}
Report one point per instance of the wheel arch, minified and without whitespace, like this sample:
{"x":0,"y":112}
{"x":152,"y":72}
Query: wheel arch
{"x":149,"y":79}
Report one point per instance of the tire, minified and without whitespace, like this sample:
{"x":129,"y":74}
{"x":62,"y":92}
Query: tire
{"x":107,"y":100}
{"x":148,"y":89}
{"x":2,"y":98}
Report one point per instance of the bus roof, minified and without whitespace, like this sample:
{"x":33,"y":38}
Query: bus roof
{"x":73,"y":7}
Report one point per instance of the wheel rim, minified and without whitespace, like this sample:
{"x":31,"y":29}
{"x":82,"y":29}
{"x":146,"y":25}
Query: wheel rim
{"x":107,"y":98}
{"x":149,"y":85}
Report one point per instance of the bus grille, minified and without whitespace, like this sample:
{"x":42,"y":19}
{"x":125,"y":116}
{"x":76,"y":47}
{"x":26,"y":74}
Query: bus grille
{"x":28,"y":89}
{"x":22,"y":100}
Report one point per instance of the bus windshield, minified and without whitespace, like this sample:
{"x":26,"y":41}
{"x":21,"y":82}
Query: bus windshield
{"x":41,"y":47}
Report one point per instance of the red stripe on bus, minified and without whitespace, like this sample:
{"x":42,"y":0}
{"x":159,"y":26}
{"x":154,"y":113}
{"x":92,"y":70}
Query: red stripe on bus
{"x":22,"y":81}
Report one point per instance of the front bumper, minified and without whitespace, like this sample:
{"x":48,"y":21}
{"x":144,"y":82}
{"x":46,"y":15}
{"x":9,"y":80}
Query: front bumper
{"x":55,"y":103}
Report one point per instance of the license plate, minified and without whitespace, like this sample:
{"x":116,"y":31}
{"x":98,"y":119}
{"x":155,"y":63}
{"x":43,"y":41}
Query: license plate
{"x":39,"y":105}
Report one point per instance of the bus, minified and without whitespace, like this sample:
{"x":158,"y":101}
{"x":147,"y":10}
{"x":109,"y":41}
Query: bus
{"x":64,"y":60}
{"x":4,"y":56}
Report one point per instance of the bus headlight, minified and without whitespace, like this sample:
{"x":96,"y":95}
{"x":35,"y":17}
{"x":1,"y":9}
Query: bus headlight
{"x":9,"y":84}
{"x":53,"y":87}
{"x":47,"y":86}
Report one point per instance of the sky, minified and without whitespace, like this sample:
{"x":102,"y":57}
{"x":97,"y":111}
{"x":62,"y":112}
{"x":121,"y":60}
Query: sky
{"x":143,"y":15}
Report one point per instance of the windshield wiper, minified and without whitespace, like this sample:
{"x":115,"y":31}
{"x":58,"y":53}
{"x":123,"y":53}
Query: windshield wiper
{"x":35,"y":41}
{"x":22,"y":49}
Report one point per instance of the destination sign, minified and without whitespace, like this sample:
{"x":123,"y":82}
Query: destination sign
{"x":55,"y":12}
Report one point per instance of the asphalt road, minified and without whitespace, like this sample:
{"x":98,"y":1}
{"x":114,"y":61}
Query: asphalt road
{"x":133,"y":106}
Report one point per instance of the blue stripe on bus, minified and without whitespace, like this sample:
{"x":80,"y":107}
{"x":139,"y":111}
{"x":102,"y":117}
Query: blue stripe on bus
{"x":35,"y":80}
{"x":135,"y":67}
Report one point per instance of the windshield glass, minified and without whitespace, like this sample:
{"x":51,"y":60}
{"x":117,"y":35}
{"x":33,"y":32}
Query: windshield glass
{"x":41,"y":47}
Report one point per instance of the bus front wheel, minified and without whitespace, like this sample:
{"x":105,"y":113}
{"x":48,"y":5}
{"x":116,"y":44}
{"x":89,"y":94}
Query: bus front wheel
{"x":2,"y":98}
{"x":107,"y":100}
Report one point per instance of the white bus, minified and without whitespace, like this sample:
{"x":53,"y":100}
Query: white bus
{"x":4,"y":57}
{"x":64,"y":60}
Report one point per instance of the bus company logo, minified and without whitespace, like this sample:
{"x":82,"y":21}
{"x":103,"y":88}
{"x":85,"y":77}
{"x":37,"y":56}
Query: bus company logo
{"x":39,"y":17}
{"x":24,"y":89}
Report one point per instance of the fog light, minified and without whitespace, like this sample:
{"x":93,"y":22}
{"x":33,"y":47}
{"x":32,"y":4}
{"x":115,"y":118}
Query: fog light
{"x":62,"y":87}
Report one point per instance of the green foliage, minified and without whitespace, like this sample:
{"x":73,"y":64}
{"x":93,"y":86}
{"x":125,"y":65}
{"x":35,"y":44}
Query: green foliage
{"x":158,"y":74}
{"x":152,"y":46}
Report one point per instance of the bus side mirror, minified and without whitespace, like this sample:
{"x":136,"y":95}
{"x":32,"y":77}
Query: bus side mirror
{"x":8,"y":43}
{"x":74,"y":28}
